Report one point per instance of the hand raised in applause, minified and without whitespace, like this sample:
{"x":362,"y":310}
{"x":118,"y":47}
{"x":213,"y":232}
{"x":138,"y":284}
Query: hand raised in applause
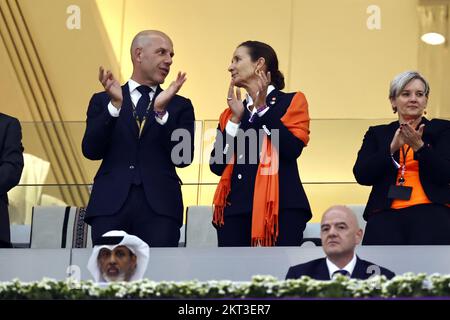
{"x":163,"y":99}
{"x":112,"y":87}
{"x":235,"y":103}
{"x":411,"y":136}
{"x":264,"y":80}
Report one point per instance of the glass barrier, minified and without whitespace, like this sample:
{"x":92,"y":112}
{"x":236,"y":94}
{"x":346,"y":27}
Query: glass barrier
{"x":23,"y":198}
{"x":57,"y":174}
{"x":53,"y":152}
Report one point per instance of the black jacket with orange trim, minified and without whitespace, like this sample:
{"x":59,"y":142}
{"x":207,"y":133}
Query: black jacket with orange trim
{"x":247,"y":145}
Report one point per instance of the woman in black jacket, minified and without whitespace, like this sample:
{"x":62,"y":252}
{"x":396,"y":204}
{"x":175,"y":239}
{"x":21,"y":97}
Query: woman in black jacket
{"x":407,"y":163}
{"x":260,"y":199}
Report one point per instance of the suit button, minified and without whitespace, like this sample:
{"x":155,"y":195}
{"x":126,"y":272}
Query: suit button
{"x":239,"y":176}
{"x":131,"y":167}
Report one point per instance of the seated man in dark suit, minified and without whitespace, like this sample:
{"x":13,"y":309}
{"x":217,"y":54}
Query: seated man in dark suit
{"x":340,"y":234}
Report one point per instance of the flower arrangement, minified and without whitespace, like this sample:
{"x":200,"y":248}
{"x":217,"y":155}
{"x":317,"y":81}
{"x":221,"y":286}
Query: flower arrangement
{"x":407,"y":285}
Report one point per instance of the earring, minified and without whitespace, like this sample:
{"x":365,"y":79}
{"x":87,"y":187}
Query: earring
{"x":424,"y":111}
{"x":394,"y":109}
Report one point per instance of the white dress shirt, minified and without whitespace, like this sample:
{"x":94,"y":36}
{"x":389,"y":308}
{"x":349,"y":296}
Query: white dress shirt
{"x":332,"y":268}
{"x":135,"y":95}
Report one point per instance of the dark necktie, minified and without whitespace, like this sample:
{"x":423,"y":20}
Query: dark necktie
{"x":343,"y":272}
{"x":143,"y":102}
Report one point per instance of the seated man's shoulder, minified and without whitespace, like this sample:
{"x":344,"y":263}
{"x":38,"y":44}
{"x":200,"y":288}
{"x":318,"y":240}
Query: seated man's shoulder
{"x":304,"y":269}
{"x":374,"y":269}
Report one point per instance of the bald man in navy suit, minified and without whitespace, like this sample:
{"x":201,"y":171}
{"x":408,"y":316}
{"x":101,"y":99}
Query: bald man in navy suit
{"x":340,"y":234}
{"x":141,"y":133}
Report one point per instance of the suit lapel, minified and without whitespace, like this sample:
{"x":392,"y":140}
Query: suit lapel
{"x":390,"y":132}
{"x":426,"y":133}
{"x":273,"y":97}
{"x":271,"y":100}
{"x":322,"y":271}
{"x":245,"y":117}
{"x":360,"y":271}
{"x":127,"y":111}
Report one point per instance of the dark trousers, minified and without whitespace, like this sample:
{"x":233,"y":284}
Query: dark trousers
{"x":237,"y":229}
{"x":425,"y":224}
{"x":5,"y":233}
{"x":136,"y":217}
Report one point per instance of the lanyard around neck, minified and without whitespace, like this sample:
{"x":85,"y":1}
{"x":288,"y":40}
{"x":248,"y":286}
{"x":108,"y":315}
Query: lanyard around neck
{"x":401,"y":180}
{"x":142,"y":123}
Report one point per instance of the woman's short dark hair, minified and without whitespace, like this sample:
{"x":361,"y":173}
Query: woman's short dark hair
{"x":258,"y":50}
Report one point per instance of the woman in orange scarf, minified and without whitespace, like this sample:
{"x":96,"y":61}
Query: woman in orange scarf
{"x":260,"y":199}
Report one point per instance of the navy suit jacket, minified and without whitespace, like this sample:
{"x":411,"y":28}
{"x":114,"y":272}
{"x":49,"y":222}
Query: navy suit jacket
{"x":126,"y":158}
{"x":292,"y":194}
{"x":318,"y":269}
{"x":374,"y":166}
{"x":11,"y":165}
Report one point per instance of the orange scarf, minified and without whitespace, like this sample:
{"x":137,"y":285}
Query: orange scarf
{"x":266,"y":191}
